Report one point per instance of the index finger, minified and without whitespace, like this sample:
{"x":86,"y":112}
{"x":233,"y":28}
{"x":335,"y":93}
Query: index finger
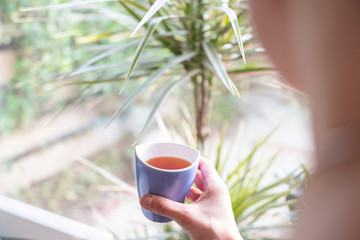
{"x":207,"y":170}
{"x":211,"y":177}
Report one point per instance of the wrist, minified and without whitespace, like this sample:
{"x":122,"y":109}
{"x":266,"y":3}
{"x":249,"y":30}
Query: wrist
{"x":234,"y":235}
{"x":230,"y":233}
{"x":218,"y":232}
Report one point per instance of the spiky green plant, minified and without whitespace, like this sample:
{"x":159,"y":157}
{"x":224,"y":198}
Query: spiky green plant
{"x":194,"y":41}
{"x":252,"y":196}
{"x":198,"y":41}
{"x":198,"y":36}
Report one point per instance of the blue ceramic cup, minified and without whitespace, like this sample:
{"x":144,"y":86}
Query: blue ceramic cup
{"x":171,"y":184}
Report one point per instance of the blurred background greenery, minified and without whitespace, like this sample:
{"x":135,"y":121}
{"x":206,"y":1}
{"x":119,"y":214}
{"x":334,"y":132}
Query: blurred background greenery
{"x":70,"y":59}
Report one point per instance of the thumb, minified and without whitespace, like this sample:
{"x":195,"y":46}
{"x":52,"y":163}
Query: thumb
{"x":164,"y":207}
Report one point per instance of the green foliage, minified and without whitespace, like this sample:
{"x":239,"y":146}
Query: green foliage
{"x":193,"y":41}
{"x":48,"y":45}
{"x":251,"y":196}
{"x":168,"y":29}
{"x":166,"y":92}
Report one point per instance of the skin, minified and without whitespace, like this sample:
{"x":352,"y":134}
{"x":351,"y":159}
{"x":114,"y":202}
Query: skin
{"x":199,"y":219}
{"x":315,"y":46}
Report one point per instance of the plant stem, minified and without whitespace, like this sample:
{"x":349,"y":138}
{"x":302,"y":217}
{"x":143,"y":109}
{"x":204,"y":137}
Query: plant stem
{"x":203,"y":110}
{"x":202,"y":87}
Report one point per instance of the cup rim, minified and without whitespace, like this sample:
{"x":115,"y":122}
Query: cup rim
{"x":168,"y":170}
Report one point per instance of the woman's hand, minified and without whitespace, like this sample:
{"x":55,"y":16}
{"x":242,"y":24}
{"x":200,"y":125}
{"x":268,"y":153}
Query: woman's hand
{"x":210,"y":215}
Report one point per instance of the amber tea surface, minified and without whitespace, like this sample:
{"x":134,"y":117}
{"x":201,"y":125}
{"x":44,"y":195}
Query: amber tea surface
{"x":168,"y":163}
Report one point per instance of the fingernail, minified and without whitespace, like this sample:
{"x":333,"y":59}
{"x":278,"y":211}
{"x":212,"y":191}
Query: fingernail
{"x":145,"y":201}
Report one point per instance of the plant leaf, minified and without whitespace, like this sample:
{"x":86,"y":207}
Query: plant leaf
{"x":152,"y":26}
{"x":270,"y":205}
{"x":83,"y":93}
{"x":153,"y":9}
{"x":246,"y":161}
{"x":270,"y":162}
{"x":286,"y":179}
{"x":306,"y":171}
{"x":218,"y":166}
{"x":86,"y":82}
{"x":139,"y":74}
{"x":219,"y":67}
{"x":235,"y":25}
{"x":129,"y":10}
{"x":167,"y":91}
{"x":105,"y":54}
{"x":137,"y":5}
{"x":255,"y":69}
{"x":84,"y":69}
{"x":143,"y":65}
{"x":93,"y":37}
{"x":64,"y":5}
{"x":108,"y":175}
{"x":153,"y":77}
{"x":122,"y":19}
{"x":234,"y":143}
